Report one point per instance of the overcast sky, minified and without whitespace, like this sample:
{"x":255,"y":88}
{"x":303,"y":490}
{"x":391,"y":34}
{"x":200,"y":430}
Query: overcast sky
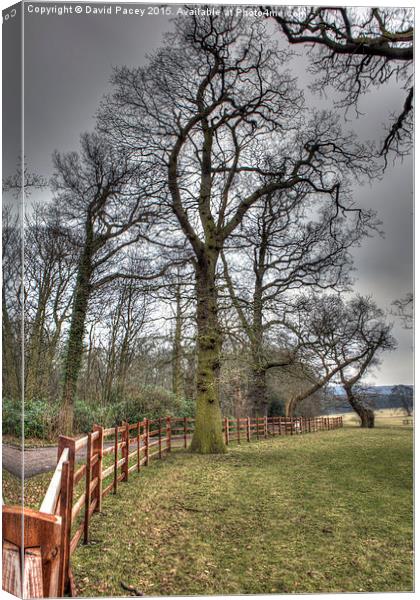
{"x":68,"y":62}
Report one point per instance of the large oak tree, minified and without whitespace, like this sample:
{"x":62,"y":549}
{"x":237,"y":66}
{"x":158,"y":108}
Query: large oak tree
{"x":220,"y":122}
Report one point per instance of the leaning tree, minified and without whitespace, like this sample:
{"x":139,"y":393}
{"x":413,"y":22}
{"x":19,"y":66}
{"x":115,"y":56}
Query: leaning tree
{"x":218,"y":122}
{"x":339,"y":340}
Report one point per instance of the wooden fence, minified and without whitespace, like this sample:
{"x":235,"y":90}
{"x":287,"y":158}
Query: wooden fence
{"x":38,"y":545}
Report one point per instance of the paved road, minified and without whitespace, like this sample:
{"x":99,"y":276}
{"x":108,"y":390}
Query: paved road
{"x":37,"y":460}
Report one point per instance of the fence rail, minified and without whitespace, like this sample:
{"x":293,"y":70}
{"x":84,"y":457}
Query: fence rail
{"x":90,"y":468}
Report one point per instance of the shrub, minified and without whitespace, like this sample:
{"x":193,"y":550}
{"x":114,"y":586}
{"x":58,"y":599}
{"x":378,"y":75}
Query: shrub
{"x":40,"y":418}
{"x":12,"y":417}
{"x":148,"y":402}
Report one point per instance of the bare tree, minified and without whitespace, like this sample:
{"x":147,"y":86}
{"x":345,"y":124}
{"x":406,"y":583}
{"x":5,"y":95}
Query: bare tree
{"x":125,"y":322}
{"x":341,"y":340}
{"x":50,"y":269}
{"x":404,"y":394}
{"x":23,"y":181}
{"x":404,"y":308}
{"x":283,"y":246}
{"x":216,"y":120}
{"x":15,"y":187}
{"x":101,"y":193}
{"x":11,"y":303}
{"x":356,"y":49}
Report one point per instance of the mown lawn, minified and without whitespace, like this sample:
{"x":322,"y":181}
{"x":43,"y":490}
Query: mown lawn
{"x":326,"y":512}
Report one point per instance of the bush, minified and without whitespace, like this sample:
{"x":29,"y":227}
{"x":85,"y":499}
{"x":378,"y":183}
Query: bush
{"x":149,"y":402}
{"x":12,"y":417}
{"x":40,"y":418}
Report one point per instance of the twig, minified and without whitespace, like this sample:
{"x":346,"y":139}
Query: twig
{"x":129,"y":588}
{"x":192,"y":509}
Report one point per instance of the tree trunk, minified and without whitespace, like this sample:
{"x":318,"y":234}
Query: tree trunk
{"x":289,"y":408}
{"x":208,"y":436}
{"x":258,"y":388}
{"x":258,"y":393}
{"x":177,"y":379}
{"x":73,"y":358}
{"x":367,"y":415}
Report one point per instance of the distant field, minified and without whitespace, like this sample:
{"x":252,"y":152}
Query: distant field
{"x":389,"y":417}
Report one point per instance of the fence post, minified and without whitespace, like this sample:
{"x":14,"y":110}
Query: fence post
{"x":98,"y":449}
{"x":248,"y":429}
{"x":185,"y":432}
{"x":226,"y":431}
{"x":127,"y":450}
{"x":116,"y":460}
{"x":138,"y":446}
{"x":87,"y":490}
{"x":70,"y":443}
{"x":65,"y":516}
{"x":160,"y":436}
{"x":238,"y":430}
{"x":265,"y":427}
{"x":123,"y":447}
{"x":168,"y":434}
{"x":31,"y":539}
{"x":146,"y":440}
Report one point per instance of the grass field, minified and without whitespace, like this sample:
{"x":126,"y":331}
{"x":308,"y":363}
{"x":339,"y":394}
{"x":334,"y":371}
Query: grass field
{"x":327,"y":512}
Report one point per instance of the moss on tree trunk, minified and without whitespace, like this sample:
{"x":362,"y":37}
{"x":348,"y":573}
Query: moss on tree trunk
{"x":73,"y":357}
{"x":208,"y":436}
{"x":258,"y":393}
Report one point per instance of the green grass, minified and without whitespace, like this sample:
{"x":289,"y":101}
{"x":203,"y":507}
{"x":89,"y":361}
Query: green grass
{"x":327,"y":512}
